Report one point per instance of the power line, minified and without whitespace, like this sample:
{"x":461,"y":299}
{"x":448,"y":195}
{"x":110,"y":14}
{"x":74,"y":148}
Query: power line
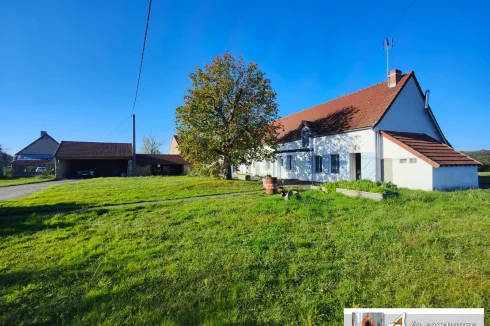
{"x":126,"y":120}
{"x":142,"y":56}
{"x":378,"y":48}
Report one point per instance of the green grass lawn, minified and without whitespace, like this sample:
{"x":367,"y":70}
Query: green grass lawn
{"x":484,"y":177}
{"x":112,"y":191}
{"x":247,"y":260}
{"x":23,"y":181}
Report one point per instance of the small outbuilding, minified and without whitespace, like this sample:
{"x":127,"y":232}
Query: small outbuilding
{"x":160,"y":164}
{"x":418,"y":161}
{"x":105,"y":159}
{"x":113,"y":160}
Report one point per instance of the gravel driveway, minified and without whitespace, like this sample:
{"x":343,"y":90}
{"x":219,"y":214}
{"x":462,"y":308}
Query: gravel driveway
{"x":12,"y":192}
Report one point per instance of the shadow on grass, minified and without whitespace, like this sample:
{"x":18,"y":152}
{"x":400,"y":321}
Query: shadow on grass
{"x":7,"y":211}
{"x":28,"y":225}
{"x":73,"y":300}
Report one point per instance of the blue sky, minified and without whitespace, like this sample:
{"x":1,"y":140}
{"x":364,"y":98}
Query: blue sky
{"x":70,"y":67}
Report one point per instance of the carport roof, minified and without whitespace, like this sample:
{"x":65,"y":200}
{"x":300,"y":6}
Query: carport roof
{"x":93,"y":150}
{"x":429,"y":149}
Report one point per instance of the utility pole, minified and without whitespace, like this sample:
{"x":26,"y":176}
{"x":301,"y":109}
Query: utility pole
{"x":134,"y":145}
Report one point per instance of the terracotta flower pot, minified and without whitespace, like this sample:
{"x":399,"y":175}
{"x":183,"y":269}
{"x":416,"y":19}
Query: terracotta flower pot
{"x":271,"y":186}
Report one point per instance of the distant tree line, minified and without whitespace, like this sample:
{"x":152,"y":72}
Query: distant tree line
{"x":482,"y":156}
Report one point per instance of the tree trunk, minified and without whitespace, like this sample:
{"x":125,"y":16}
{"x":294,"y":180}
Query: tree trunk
{"x":228,"y":172}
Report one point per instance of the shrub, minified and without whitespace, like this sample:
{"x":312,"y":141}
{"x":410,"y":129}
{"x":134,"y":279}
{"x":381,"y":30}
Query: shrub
{"x":8,"y":172}
{"x":204,"y":171}
{"x":49,"y":168}
{"x":361,"y":185}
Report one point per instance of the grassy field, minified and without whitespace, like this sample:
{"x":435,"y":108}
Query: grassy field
{"x":484,"y":177}
{"x":247,"y":260}
{"x":23,"y":181}
{"x":112,"y":191}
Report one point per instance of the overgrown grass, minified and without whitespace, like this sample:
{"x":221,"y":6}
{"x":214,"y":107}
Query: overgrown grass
{"x":247,"y":260}
{"x":112,"y":191}
{"x":484,"y":177}
{"x":23,"y":181}
{"x":361,"y":185}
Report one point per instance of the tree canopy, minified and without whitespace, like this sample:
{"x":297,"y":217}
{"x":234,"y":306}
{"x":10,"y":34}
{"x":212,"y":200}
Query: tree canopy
{"x":5,"y":159}
{"x":228,"y":115}
{"x":482,"y":156}
{"x":151,"y":145}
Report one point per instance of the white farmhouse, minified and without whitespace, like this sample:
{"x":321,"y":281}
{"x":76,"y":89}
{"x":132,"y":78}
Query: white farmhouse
{"x":386,"y":132}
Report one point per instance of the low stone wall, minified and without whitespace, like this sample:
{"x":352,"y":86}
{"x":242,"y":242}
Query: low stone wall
{"x":244,"y":177}
{"x":364,"y":194}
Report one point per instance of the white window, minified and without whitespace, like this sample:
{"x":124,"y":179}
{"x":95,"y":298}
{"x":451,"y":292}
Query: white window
{"x":403,"y":160}
{"x":413,"y":160}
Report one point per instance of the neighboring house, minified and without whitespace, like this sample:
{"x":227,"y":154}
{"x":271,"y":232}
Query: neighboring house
{"x":39,"y":153}
{"x":386,"y":132}
{"x":174,"y":146}
{"x":112,"y":159}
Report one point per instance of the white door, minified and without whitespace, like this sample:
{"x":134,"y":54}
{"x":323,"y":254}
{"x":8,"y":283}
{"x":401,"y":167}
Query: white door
{"x":282,"y":168}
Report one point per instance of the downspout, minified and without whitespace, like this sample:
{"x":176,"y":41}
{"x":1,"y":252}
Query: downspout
{"x":378,"y":155}
{"x":312,"y":160}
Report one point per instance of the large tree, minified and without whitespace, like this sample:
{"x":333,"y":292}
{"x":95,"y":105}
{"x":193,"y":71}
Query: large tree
{"x":151,"y":145}
{"x":228,"y":115}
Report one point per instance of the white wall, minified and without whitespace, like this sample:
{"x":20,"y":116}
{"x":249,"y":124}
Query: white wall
{"x":342,"y":144}
{"x":455,"y":177}
{"x":408,"y":113}
{"x":407,"y":175}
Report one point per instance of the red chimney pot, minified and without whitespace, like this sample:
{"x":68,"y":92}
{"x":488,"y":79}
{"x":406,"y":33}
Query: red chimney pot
{"x":394,"y":77}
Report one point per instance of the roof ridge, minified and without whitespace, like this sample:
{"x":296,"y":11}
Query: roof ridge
{"x":91,"y":142}
{"x":337,"y":98}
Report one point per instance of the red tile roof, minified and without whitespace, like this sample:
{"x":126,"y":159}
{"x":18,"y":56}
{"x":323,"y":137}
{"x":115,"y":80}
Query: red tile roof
{"x":429,"y":149}
{"x":357,"y":110}
{"x":93,"y":150}
{"x":154,"y":159}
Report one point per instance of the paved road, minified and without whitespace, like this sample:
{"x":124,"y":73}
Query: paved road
{"x":24,"y":190}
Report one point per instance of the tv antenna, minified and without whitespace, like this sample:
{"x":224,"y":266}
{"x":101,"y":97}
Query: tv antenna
{"x":387,"y":44}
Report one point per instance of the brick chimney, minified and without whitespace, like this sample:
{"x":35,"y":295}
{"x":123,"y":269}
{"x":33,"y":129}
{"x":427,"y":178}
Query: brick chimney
{"x":394,"y":77}
{"x":43,"y":133}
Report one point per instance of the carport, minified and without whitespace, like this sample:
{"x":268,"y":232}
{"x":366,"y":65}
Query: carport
{"x":105,"y":159}
{"x":161,"y":164}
